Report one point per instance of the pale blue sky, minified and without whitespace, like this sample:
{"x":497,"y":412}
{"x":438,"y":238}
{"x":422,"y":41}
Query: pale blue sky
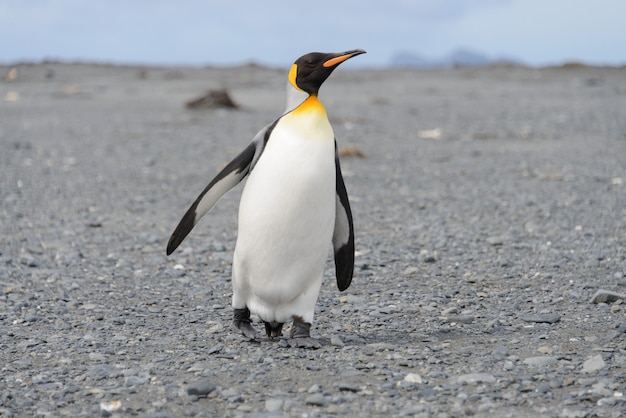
{"x":538,"y":32}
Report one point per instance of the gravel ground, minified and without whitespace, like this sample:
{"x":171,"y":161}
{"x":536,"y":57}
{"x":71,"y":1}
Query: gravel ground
{"x":490,"y":209}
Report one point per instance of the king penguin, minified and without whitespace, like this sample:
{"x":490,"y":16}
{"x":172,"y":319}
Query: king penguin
{"x":294,"y":206}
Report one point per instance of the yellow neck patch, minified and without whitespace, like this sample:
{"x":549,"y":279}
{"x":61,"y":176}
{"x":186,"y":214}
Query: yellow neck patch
{"x":293,"y":73}
{"x":309,"y":121}
{"x":311,"y":105}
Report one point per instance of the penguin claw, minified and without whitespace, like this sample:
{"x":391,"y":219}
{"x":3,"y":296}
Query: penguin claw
{"x":300,"y":335}
{"x":274,"y":329}
{"x":241,"y":322}
{"x":246,"y":329}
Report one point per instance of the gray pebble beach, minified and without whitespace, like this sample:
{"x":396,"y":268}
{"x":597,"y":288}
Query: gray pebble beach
{"x":490,"y":221}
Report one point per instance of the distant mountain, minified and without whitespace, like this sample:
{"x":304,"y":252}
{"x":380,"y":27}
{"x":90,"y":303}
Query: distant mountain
{"x":466,"y":58}
{"x":461,"y":57}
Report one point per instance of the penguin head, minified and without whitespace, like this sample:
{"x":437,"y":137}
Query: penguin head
{"x":310,"y":71}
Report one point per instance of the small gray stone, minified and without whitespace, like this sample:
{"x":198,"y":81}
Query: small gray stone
{"x":486,"y":406}
{"x":316,"y":399}
{"x":175,"y":272}
{"x":410,"y":271}
{"x":345,"y":387}
{"x":136,"y":380}
{"x":314,"y":389}
{"x":32,"y":318}
{"x":465,"y":351}
{"x":475,"y":378}
{"x":200,"y":388}
{"x":495,"y":240}
{"x":413,"y":378}
{"x":102,"y":371}
{"x":541,"y":318}
{"x":96,"y":356}
{"x":273,"y":404}
{"x":450,"y":311}
{"x":573,"y":413}
{"x":609,"y":401}
{"x":540,"y":361}
{"x":543,"y":387}
{"x":336,"y":341}
{"x":460,"y":319}
{"x":603,"y":296}
{"x":215,"y":349}
{"x":593,"y":364}
{"x":500,"y":352}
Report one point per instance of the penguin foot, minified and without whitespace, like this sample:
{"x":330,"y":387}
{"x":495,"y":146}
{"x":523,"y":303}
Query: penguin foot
{"x":274,"y":329}
{"x":241,"y":322}
{"x":300,"y":335}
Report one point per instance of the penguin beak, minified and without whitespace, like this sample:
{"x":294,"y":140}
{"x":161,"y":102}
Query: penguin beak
{"x":341,"y":57}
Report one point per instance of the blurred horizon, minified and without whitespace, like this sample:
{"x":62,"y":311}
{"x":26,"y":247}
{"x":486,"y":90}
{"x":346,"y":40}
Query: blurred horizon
{"x":394,"y":33}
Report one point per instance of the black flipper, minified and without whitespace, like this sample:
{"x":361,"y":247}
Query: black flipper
{"x":343,"y":236}
{"x":229,"y":177}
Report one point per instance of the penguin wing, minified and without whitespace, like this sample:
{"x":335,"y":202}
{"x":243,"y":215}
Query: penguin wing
{"x":343,"y":236}
{"x":229,"y":177}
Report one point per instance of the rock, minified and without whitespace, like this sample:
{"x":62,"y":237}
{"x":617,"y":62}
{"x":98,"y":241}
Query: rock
{"x":465,"y":351}
{"x":200,"y":388}
{"x":573,"y":413}
{"x":604,"y":296}
{"x":541,"y":318}
{"x":96,"y":357}
{"x":336,"y":341}
{"x":345,"y":387}
{"x":413,"y":378}
{"x":102,"y":371}
{"x":429,"y":133}
{"x":500,"y":352}
{"x":212,"y":99}
{"x":543,"y":387}
{"x":540,"y":361}
{"x":273,"y":405}
{"x":11,"y":75}
{"x":593,"y":364}
{"x":450,"y":311}
{"x":215,"y":349}
{"x":609,"y":401}
{"x":136,"y":380}
{"x":316,"y":399}
{"x":475,"y":378}
{"x":314,"y":389}
{"x":175,"y":272}
{"x":107,"y":408}
{"x":495,"y":240}
{"x":410,"y":271}
{"x":460,"y":319}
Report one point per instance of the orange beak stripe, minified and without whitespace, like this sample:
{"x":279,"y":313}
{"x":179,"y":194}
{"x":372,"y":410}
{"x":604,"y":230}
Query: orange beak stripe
{"x":337,"y":60}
